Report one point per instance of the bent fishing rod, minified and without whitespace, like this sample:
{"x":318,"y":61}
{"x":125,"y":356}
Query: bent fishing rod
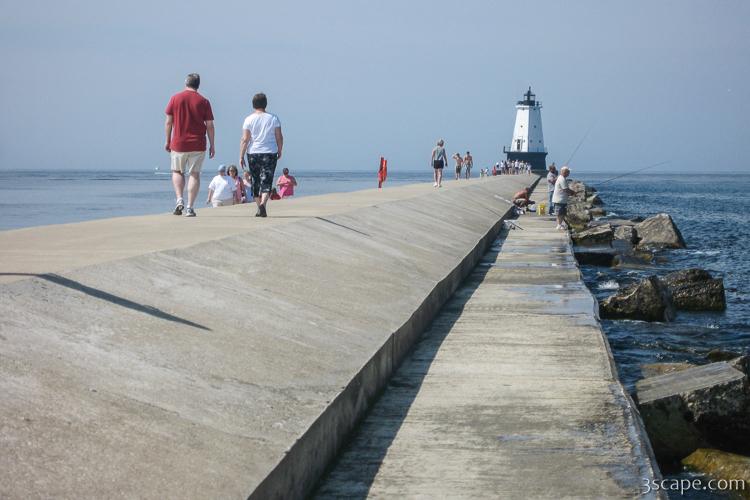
{"x":635,"y":171}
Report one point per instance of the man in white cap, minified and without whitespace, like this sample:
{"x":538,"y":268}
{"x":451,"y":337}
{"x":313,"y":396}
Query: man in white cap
{"x":560,"y":197}
{"x":221,"y":190}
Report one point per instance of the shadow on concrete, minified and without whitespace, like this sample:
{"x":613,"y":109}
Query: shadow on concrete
{"x":352,"y":473}
{"x":114,"y":299}
{"x":341,"y":225}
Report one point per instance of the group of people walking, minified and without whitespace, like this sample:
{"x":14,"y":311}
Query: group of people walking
{"x":190,"y":120}
{"x":511,"y":167}
{"x":439,"y":160}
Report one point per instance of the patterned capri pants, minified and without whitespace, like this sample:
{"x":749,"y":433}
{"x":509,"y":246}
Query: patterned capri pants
{"x":262,"y":167}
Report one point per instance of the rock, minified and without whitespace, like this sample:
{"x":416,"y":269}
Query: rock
{"x":595,"y":256}
{"x":598,"y":235}
{"x":696,"y":290}
{"x":722,"y":465}
{"x":631,"y":261}
{"x":742,"y":364}
{"x":655,"y":369}
{"x":659,"y":232}
{"x":613,"y":222}
{"x":597,"y":212}
{"x":578,"y":215}
{"x":594,"y":200}
{"x":716,"y":355}
{"x":625,"y":233}
{"x":647,"y":300}
{"x":693,"y":408}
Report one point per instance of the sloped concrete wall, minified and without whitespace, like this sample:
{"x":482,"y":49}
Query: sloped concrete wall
{"x":233,"y":367}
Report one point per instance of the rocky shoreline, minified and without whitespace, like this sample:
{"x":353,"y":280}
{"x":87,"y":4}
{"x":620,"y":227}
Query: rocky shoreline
{"x":690,"y":411}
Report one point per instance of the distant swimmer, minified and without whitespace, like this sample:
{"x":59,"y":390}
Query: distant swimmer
{"x":189,"y":120}
{"x":459,"y":163}
{"x":286,"y":184}
{"x":262,"y":143}
{"x":468,"y":163}
{"x":438,"y":161}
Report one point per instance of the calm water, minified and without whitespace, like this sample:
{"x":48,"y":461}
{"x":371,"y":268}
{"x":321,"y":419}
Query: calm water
{"x":28,"y":199}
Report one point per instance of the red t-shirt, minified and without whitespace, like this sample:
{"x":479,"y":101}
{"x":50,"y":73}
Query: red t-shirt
{"x":190,"y":111}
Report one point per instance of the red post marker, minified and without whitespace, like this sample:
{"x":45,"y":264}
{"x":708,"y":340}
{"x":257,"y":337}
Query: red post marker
{"x":382,"y":172}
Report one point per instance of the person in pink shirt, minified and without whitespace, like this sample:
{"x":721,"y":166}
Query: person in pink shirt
{"x":286,"y":184}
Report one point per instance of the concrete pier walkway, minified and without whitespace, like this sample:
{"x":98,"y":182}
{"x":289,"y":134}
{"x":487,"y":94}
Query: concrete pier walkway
{"x":229,"y":356}
{"x":511,"y":393}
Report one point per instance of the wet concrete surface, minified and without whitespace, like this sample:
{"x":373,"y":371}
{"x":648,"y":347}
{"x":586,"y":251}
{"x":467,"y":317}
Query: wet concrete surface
{"x":511,"y":393}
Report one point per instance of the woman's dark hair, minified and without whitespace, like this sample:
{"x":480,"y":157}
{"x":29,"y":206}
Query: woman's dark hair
{"x":285,"y":171}
{"x":232,"y":167}
{"x":260,"y":101}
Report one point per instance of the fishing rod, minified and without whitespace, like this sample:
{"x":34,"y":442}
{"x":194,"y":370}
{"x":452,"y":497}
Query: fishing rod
{"x":579,"y":145}
{"x":635,"y":171}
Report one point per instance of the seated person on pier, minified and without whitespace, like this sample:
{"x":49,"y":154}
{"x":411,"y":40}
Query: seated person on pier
{"x":521,"y":198}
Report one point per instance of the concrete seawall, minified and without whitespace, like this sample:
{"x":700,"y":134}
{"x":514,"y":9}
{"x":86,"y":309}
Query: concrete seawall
{"x":226,"y":356}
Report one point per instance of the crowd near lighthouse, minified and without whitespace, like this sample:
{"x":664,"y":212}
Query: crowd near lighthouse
{"x":528,"y":140}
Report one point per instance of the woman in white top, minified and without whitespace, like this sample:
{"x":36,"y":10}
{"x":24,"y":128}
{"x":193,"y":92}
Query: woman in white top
{"x":221,"y":190}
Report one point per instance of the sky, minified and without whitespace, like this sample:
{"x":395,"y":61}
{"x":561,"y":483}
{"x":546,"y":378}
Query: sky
{"x":85,"y":83}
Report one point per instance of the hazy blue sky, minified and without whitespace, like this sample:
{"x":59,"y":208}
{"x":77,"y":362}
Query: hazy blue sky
{"x":85,"y":83}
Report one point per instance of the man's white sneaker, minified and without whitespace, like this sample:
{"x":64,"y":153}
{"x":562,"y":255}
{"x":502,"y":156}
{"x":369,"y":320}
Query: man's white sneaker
{"x":434,"y":185}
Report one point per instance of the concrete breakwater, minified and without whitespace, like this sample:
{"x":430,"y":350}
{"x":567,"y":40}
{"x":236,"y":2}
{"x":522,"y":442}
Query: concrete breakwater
{"x":222,"y":356}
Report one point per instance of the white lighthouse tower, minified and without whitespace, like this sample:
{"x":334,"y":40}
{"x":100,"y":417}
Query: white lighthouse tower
{"x":528,"y":139}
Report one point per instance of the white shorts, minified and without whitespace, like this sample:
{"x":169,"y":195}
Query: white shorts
{"x":222,"y":203}
{"x":188,"y":162}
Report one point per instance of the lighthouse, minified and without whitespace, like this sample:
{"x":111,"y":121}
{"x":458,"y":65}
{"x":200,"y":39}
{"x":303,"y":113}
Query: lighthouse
{"x":528,"y":140}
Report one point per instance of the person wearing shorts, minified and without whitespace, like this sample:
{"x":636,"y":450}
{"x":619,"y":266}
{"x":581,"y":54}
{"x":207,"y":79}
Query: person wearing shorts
{"x":262,"y":143}
{"x":189,"y":120}
{"x":438,"y":161}
{"x":468,"y":163}
{"x":560,"y":197}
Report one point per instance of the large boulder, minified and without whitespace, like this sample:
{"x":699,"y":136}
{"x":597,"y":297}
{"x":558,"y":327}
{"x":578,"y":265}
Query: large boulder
{"x":732,"y":468}
{"x":597,"y":212}
{"x":594,"y":201}
{"x":659,"y":232}
{"x":696,"y":290}
{"x":647,"y":300}
{"x":698,"y":407}
{"x":654,"y":369}
{"x":614,"y":222}
{"x":577,"y":215}
{"x":625,"y":233}
{"x":598,"y":235}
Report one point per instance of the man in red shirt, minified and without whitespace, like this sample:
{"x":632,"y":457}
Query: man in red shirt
{"x":189,"y":119}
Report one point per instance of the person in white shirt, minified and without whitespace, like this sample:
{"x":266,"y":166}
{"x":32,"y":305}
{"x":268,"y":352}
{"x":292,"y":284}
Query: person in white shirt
{"x":262,"y":142}
{"x":551,"y":180}
{"x":560,"y":197}
{"x":221,"y":189}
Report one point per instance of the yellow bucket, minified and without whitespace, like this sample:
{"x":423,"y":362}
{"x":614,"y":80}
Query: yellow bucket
{"x":541,"y":208}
